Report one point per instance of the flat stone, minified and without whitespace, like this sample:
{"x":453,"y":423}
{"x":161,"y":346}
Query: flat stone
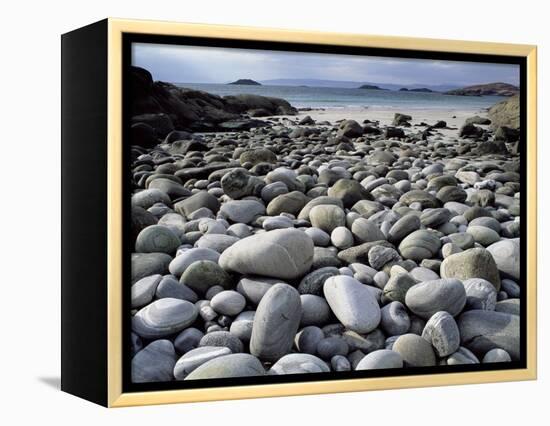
{"x":395,"y":319}
{"x":511,"y":288}
{"x":397,"y":286}
{"x":483,"y":235}
{"x":169,"y":286}
{"x":157,"y":239}
{"x":332,"y":346}
{"x":154,"y":363}
{"x":429,"y":297}
{"x":320,"y":238}
{"x":422,"y":273}
{"x":462,"y":357}
{"x":143,"y":291}
{"x":509,"y":306}
{"x":359,"y":254}
{"x":367,"y":208}
{"x":217,"y":242}
{"x":234,"y":365}
{"x":223,"y":339}
{"x":203,"y":274}
{"x":352,"y":303}
{"x":188,"y":339}
{"x":480,"y":294}
{"x":418,"y":196}
{"x":364,"y":342}
{"x":403,"y":227}
{"x":322,"y":200}
{"x":181,"y":262}
{"x":242,"y":326}
{"x":327,"y":217}
{"x":307,"y":338}
{"x":196,"y":201}
{"x":287,"y":176}
{"x":481,"y":331}
{"x":463,"y":240}
{"x":496,"y":355}
{"x":380,"y":359}
{"x":239,"y":183}
{"x":313,"y":282}
{"x":451,"y":194}
{"x":272,"y":190}
{"x":149,"y":197}
{"x":242,"y":211}
{"x":366,"y":231}
{"x":432,"y":218}
{"x":341,"y":237}
{"x":315,"y":310}
{"x":228,"y":302}
{"x":195,"y":358}
{"x":164,"y":317}
{"x":379,"y":256}
{"x":349,"y":191}
{"x":299,"y":364}
{"x":506,"y":254}
{"x":253,"y":288}
{"x":340,"y":363}
{"x":258,"y":155}
{"x":419,"y":245}
{"x":292,"y":203}
{"x":146,"y":264}
{"x":239,"y":230}
{"x":415,"y":351}
{"x":277,"y":222}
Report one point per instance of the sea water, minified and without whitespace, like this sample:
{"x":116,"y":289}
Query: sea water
{"x":336,"y":98}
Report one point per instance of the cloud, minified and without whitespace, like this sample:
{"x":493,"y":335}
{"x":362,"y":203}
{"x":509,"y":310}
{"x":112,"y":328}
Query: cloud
{"x":197,"y":64}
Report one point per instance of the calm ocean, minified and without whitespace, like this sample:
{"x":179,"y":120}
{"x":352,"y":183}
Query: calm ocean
{"x":327,"y":97}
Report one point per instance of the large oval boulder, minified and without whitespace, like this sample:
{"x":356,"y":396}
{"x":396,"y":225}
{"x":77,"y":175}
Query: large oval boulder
{"x":276,"y":322}
{"x":282,"y":253}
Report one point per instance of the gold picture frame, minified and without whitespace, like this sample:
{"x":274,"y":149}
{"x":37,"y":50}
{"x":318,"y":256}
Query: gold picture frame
{"x":116,"y":397}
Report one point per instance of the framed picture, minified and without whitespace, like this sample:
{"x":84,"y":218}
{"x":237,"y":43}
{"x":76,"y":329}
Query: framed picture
{"x":254,"y":212}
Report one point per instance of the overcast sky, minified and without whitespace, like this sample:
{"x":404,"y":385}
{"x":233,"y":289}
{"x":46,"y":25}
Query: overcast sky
{"x":194,"y":64}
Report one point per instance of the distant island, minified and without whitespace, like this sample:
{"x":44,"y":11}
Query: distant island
{"x":418,"y":89}
{"x":422,"y":90}
{"x":246,"y":82}
{"x":490,"y":89}
{"x":370,"y":87}
{"x":350,"y":84}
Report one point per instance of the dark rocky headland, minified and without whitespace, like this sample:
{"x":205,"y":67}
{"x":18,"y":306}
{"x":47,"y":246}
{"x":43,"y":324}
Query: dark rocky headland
{"x":285,"y":244}
{"x":490,"y":89}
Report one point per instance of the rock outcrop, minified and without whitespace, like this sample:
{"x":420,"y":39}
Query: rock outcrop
{"x":180,"y":108}
{"x":505,"y":113}
{"x":494,"y":89}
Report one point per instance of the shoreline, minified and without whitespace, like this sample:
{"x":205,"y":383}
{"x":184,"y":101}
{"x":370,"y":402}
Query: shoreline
{"x":453,"y":117}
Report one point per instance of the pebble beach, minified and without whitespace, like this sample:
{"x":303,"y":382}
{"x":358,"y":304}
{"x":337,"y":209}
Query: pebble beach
{"x":320,"y":241}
